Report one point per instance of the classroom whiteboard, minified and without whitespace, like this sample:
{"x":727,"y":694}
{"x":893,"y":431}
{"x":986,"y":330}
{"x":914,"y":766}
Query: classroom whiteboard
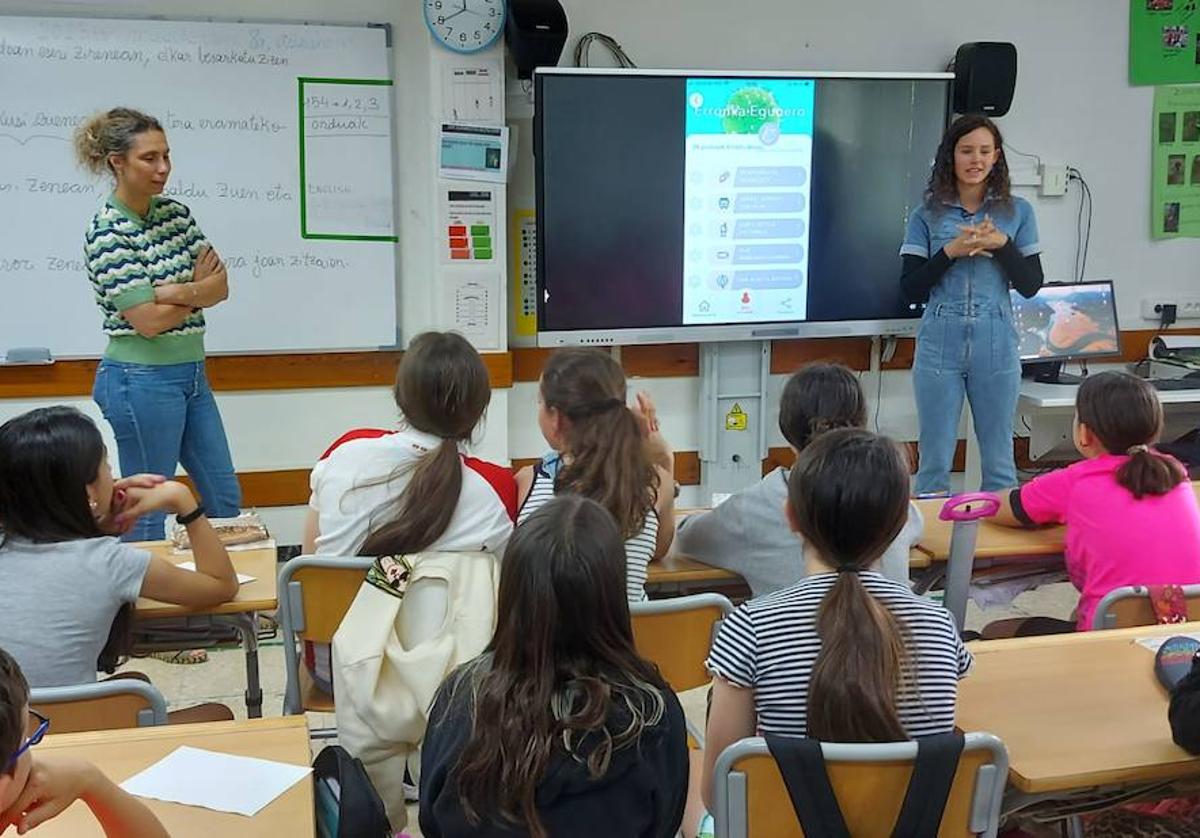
{"x":309,"y":270}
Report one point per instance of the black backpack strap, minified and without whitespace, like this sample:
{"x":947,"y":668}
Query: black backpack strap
{"x":803,"y":767}
{"x":929,"y":787}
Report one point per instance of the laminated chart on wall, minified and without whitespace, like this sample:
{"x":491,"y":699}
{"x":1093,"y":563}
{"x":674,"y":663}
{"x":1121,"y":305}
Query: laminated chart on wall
{"x":1164,"y":42}
{"x":345,"y":159}
{"x":523,"y":231}
{"x":468,"y":227}
{"x":1175,"y":172}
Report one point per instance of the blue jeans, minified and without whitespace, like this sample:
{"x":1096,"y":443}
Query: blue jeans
{"x":966,"y":349}
{"x":163,"y":416}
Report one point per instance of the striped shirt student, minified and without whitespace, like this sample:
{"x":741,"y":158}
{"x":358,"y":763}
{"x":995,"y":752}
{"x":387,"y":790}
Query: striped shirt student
{"x":127,"y":257}
{"x":770,"y":645}
{"x":639,"y":549}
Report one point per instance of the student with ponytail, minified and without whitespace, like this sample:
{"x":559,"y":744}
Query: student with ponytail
{"x":1131,"y":515}
{"x":606,"y":451}
{"x":843,"y":655}
{"x":385,"y":493}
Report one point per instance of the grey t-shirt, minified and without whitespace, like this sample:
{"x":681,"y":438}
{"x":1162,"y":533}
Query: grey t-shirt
{"x":59,"y":603}
{"x":749,"y":535}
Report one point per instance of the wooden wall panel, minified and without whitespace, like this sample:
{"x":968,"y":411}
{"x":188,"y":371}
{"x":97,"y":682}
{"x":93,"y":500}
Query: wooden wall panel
{"x":315,"y":370}
{"x":687,"y":467}
{"x":787,"y":356}
{"x":243,"y":372}
{"x":289,"y":487}
{"x":784,"y":456}
{"x":668,"y":360}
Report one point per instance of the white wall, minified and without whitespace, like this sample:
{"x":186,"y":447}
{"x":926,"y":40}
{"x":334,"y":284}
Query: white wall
{"x":1073,"y":104}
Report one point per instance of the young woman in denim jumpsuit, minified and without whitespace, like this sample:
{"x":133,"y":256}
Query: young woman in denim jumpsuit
{"x":966,"y":245}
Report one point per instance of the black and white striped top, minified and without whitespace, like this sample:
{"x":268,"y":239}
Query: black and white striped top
{"x":639,"y":550}
{"x":770,"y":644}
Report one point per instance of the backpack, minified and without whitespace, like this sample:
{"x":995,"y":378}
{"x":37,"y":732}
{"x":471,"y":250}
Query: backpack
{"x":347,"y":804}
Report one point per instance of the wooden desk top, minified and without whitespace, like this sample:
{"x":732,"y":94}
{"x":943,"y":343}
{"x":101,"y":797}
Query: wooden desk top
{"x":123,"y":753}
{"x":676,"y":568}
{"x":1075,"y":710}
{"x":994,"y":541}
{"x":259,"y":595}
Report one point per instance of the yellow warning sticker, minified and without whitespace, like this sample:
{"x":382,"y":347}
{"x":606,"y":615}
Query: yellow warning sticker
{"x":735,"y":419}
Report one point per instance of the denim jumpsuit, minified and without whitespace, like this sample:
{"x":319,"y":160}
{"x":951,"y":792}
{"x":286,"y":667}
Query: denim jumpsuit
{"x":967,"y":343}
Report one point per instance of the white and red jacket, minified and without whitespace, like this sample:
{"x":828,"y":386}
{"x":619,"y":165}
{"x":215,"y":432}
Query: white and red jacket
{"x":356,"y":483}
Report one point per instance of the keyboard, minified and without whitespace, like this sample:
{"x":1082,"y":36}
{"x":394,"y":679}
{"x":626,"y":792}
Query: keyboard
{"x":1175,"y":383}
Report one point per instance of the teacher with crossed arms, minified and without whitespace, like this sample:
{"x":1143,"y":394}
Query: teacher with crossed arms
{"x":153,"y":274}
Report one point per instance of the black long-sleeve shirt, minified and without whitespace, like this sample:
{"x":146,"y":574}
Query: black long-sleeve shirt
{"x":641,"y":795}
{"x":918,"y":276}
{"x":1185,"y":711}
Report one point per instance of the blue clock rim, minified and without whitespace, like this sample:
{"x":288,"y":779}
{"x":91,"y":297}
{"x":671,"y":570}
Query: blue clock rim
{"x":437,"y":40}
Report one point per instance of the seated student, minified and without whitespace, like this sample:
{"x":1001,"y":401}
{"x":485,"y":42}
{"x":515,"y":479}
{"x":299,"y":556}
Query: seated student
{"x":748,"y":533}
{"x":559,"y":728}
{"x":32,"y":791}
{"x":844,"y":654}
{"x":1184,"y":713}
{"x":377,"y":493}
{"x":1131,"y":515}
{"x":64,"y":573}
{"x":605,"y":451}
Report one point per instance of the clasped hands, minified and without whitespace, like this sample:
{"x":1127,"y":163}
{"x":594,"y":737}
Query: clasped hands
{"x":976,"y":240}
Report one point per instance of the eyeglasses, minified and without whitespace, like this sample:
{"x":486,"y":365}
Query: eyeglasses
{"x":43,"y":724}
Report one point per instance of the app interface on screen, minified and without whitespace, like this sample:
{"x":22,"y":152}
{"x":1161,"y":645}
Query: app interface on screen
{"x":747,"y":177}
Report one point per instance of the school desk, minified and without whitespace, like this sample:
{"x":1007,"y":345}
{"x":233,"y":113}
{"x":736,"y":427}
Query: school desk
{"x":994,"y":541}
{"x":676,"y":573}
{"x":1076,"y":711}
{"x":240,"y":612}
{"x":122,"y":753}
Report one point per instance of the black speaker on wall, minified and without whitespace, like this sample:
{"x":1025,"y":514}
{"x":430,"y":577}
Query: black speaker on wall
{"x":535,"y":31}
{"x":985,"y":76}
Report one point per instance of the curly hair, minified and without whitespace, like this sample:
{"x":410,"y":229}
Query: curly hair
{"x":943,"y":184}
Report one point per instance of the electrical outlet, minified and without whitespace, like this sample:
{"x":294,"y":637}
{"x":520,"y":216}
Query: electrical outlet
{"x":1186,"y":308}
{"x":1054,"y":180}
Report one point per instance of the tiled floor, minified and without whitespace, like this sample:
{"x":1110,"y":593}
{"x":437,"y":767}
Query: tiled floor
{"x":223,"y":677}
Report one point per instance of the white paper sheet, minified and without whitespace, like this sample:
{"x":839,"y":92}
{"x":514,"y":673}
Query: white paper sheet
{"x":1155,"y":643}
{"x":222,"y":782}
{"x":242,"y":578}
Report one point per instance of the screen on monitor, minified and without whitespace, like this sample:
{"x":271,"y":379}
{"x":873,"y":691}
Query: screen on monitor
{"x":1065,"y":321}
{"x":686,"y":206}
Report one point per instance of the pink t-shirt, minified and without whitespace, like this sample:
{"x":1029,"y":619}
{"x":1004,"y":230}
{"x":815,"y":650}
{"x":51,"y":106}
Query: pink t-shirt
{"x":1113,"y":539}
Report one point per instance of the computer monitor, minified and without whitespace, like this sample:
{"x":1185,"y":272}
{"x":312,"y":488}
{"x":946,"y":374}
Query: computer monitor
{"x":1065,"y":321}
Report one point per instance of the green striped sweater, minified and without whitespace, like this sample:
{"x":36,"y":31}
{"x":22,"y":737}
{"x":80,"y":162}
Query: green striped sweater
{"x":127,"y":255}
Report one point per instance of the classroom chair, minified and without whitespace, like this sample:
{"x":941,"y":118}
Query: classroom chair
{"x":103,"y":705}
{"x":870,"y":782}
{"x":315,"y":592}
{"x":676,"y":634}
{"x":1130,"y":606}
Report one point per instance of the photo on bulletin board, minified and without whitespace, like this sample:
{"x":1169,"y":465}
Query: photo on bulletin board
{"x":1175,"y":176}
{"x":1164,"y":42}
{"x":1166,"y":127}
